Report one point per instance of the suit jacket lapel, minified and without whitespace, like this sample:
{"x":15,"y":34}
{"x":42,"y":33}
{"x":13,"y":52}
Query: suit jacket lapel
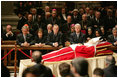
{"x":79,"y":36}
{"x":76,"y":37}
{"x":23,"y":38}
{"x":113,"y":38}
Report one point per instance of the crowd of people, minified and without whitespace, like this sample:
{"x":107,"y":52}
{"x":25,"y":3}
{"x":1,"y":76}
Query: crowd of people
{"x":54,"y":29}
{"x":48,"y":27}
{"x":77,"y":68}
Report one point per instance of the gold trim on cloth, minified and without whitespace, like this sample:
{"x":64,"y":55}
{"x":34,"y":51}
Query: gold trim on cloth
{"x":104,"y":46}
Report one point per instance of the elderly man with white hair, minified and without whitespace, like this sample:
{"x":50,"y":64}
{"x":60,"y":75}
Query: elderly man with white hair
{"x":48,"y":30}
{"x":77,"y":36}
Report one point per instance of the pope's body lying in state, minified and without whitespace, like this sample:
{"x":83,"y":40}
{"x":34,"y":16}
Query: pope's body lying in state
{"x":86,"y":50}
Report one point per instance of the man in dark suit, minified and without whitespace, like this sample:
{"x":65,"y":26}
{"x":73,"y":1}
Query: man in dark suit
{"x":84,"y":23}
{"x":91,"y":16}
{"x":48,"y":30}
{"x":65,"y":29}
{"x":21,"y":21}
{"x":111,"y":68}
{"x":8,"y":34}
{"x":37,"y":58}
{"x":53,"y":19}
{"x":34,"y":14}
{"x":63,"y":16}
{"x":79,"y":67}
{"x":32,"y":25}
{"x":87,"y":11}
{"x":113,"y":37}
{"x":46,"y":17}
{"x":39,"y":24}
{"x":109,"y":20}
{"x":47,"y":9}
{"x":77,"y":36}
{"x":37,"y":70}
{"x":97,"y":21}
{"x":75,"y":16}
{"x":24,"y":39}
{"x":81,"y":12}
{"x":55,"y":38}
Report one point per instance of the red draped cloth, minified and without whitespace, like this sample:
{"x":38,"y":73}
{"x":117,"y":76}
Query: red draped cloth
{"x":68,"y":53}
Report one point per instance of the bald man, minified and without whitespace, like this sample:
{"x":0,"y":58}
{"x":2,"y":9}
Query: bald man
{"x":32,"y":25}
{"x":97,"y":21}
{"x":111,"y":68}
{"x":8,"y":34}
{"x":85,"y":22}
{"x":77,"y":37}
{"x":66,"y":28}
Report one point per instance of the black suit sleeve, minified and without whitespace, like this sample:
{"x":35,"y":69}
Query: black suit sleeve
{"x":84,"y":39}
{"x":110,"y":39}
{"x":31,"y":40}
{"x":49,"y":40}
{"x":71,"y":39}
{"x":18,"y":40}
{"x":60,"y":40}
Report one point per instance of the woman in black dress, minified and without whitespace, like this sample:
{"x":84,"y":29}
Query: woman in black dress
{"x":40,"y":39}
{"x":89,"y":34}
{"x":104,"y":34}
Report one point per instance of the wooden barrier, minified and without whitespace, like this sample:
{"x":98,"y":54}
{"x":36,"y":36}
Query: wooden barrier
{"x":8,"y":42}
{"x":16,"y":47}
{"x":32,"y":47}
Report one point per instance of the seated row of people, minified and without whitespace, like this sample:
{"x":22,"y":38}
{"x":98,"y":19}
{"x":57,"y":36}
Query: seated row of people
{"x":52,"y":36}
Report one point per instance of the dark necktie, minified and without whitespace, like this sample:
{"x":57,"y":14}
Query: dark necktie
{"x":115,"y":39}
